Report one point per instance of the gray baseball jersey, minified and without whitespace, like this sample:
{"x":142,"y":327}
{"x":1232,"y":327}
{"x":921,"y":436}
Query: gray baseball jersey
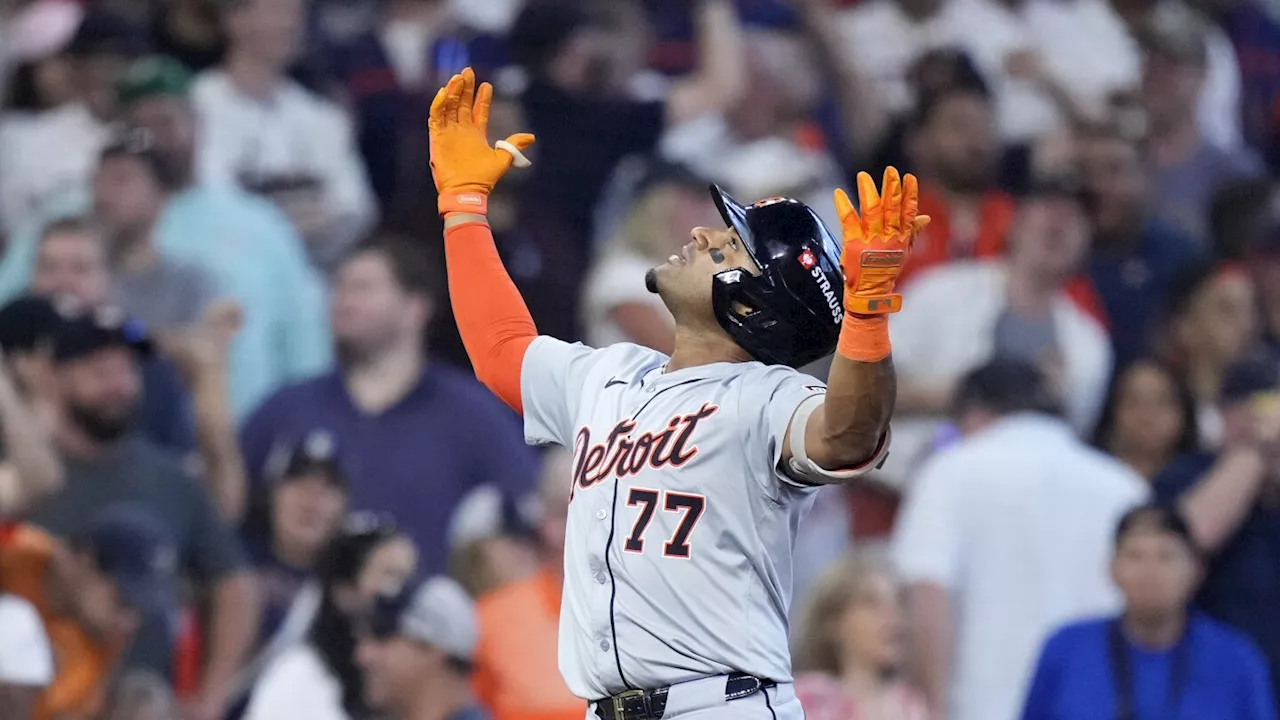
{"x":680,"y":527}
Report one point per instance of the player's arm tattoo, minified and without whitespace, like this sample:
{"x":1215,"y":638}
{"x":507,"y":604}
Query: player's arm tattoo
{"x":846,"y":431}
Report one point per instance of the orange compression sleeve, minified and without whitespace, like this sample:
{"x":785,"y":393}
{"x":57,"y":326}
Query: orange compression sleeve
{"x":492,"y":318}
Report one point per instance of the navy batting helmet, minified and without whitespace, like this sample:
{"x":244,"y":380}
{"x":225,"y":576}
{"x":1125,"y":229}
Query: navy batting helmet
{"x":790,"y":313}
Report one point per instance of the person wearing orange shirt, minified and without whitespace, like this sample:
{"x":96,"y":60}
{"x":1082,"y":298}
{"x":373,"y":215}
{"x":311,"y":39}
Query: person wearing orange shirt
{"x":91,"y":597}
{"x":517,"y":674}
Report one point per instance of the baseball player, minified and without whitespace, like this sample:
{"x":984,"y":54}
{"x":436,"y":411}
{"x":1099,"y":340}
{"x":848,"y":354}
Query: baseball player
{"x":691,"y":473}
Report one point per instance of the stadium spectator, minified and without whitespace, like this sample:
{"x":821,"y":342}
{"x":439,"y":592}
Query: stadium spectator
{"x":393,"y":411}
{"x":1136,"y":258}
{"x":130,"y":190}
{"x":1049,"y":64}
{"x":26,"y":660}
{"x":516,"y":672}
{"x":1212,"y":324}
{"x":29,"y":467}
{"x":1003,"y":538}
{"x":308,"y":502}
{"x":1148,"y":420}
{"x":665,"y":202}
{"x":265,"y":132}
{"x":1229,"y":502}
{"x":1016,"y":308}
{"x":140,"y":695}
{"x":849,"y":649}
{"x":95,"y":359}
{"x":1187,"y":169}
{"x":318,"y":678}
{"x":94,"y":594}
{"x":55,"y":151}
{"x":1157,"y":658}
{"x":585,"y":128}
{"x":190,"y":31}
{"x":885,"y":38}
{"x":953,"y":150}
{"x":418,"y":652}
{"x":244,"y":244}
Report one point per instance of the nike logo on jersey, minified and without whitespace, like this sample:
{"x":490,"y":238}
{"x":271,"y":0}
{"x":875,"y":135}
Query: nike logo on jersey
{"x":621,"y":456}
{"x":614,"y":381}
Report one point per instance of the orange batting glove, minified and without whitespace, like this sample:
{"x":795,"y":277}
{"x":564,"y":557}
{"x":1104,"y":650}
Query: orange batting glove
{"x":877,"y":242}
{"x":876,"y":245}
{"x":463,"y":164}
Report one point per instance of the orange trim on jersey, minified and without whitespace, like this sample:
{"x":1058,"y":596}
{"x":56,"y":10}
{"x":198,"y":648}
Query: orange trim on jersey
{"x":494,"y":322}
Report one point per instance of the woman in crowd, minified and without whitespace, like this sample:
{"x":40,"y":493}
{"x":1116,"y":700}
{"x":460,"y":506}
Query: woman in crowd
{"x":1158,"y":660}
{"x":617,"y":305}
{"x":1212,"y":324}
{"x":318,"y":679}
{"x":850,"y":647}
{"x":1149,"y":418}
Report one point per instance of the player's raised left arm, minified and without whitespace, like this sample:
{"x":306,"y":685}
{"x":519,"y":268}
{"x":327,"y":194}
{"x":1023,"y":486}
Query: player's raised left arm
{"x":848,"y":432}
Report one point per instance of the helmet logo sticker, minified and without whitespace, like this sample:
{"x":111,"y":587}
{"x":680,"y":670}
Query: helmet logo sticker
{"x":808,"y":259}
{"x":768,"y":201}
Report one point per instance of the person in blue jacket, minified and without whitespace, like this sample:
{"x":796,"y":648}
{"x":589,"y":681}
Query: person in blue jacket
{"x":1159,"y":660}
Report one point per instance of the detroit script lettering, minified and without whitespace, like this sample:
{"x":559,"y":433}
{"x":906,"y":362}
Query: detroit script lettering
{"x":622,"y":456}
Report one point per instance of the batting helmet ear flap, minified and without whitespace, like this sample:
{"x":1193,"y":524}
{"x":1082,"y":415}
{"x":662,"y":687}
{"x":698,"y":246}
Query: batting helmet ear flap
{"x":741,"y":302}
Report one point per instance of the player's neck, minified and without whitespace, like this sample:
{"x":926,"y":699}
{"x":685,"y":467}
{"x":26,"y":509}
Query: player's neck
{"x":696,"y":347}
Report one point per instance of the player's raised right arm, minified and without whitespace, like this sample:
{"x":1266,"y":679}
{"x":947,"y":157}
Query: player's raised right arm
{"x":492,"y":318}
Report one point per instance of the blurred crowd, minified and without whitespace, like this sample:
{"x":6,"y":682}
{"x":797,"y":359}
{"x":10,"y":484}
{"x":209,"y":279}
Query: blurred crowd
{"x":245,"y":470}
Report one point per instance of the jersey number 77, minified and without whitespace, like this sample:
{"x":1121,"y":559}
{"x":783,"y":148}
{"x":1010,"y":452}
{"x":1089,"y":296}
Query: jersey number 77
{"x":689,"y":505}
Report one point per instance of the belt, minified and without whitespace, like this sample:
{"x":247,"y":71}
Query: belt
{"x":650,"y":704}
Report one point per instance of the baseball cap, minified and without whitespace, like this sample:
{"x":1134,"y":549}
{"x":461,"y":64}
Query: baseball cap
{"x":134,"y":548}
{"x":1006,"y":386}
{"x":94,"y":330}
{"x":437,"y":612}
{"x":154,"y":76}
{"x":26,"y":322}
{"x":1247,"y":378}
{"x":315,"y":453}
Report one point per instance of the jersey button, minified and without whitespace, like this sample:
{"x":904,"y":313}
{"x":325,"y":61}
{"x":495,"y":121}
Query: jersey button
{"x":604,"y":645}
{"x":599,"y":577}
{"x":601,"y":514}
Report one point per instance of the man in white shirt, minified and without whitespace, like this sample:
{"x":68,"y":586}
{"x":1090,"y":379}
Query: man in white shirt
{"x":275,"y":138}
{"x":963,"y":314}
{"x":1003,"y":538}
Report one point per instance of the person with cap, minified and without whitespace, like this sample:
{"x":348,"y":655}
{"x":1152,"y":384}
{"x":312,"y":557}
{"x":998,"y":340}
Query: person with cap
{"x":1231,"y":502}
{"x":308,"y":499}
{"x":1016,"y":307}
{"x":29,"y":470}
{"x":95,"y":358}
{"x":96,"y":594}
{"x":266,"y":133}
{"x":1186,"y":167}
{"x":1158,"y":659}
{"x":418,"y":652}
{"x":1002,"y":539}
{"x":54,"y":152}
{"x":244,"y":243}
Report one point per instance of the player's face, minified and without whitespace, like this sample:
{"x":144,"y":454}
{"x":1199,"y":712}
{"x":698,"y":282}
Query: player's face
{"x":871,"y":627}
{"x":684,"y":281}
{"x":1155,"y":570}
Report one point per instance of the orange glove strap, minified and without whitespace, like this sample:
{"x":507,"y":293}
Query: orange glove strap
{"x":864,"y":339}
{"x":878,"y":305}
{"x":464,"y":202}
